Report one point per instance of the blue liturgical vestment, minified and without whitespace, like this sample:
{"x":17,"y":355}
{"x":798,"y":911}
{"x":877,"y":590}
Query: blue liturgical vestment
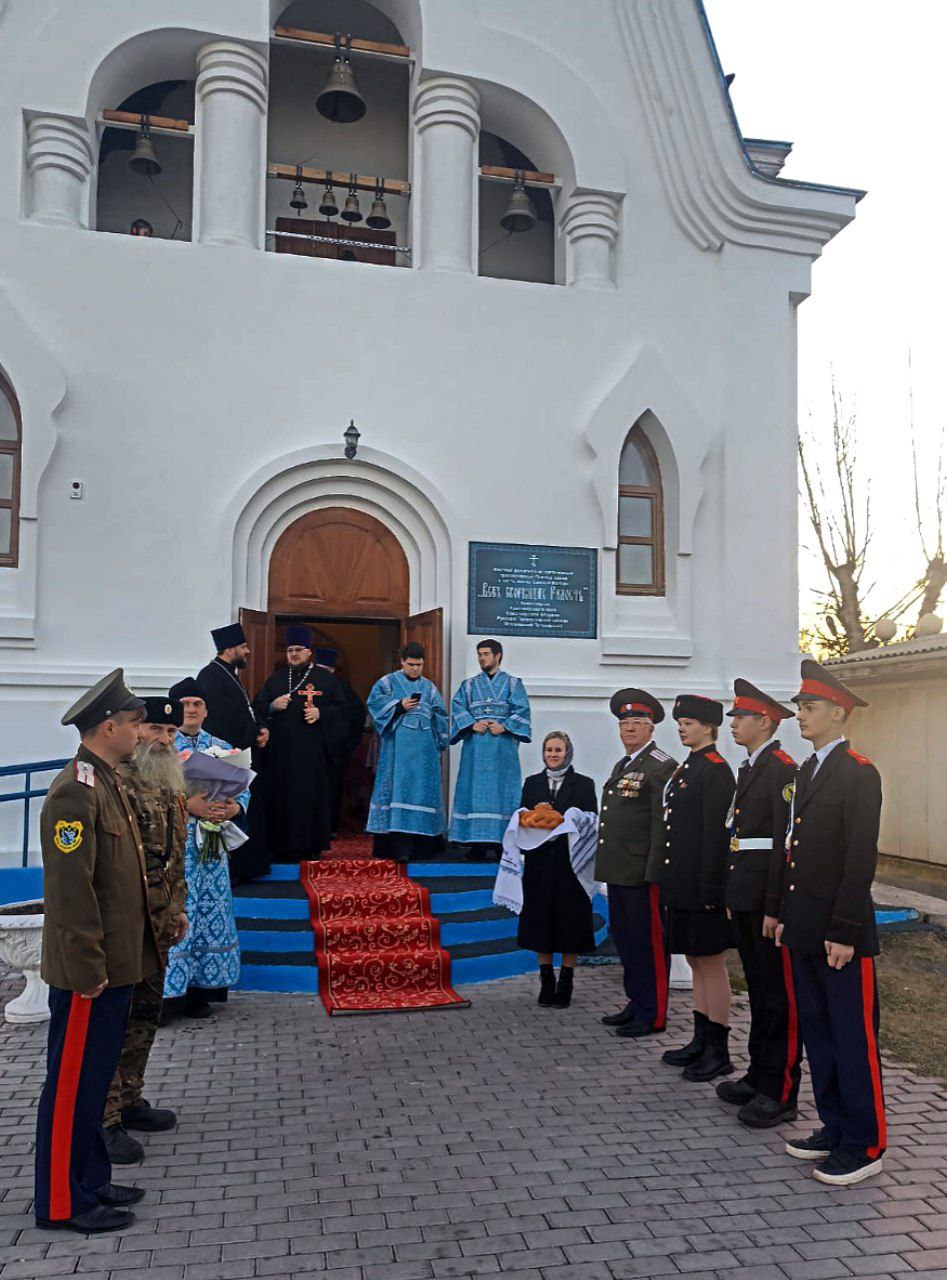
{"x":407,"y":792}
{"x":488,"y":784}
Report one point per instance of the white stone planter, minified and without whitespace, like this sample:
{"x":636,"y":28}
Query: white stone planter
{"x":682,"y":975}
{"x":21,"y":938}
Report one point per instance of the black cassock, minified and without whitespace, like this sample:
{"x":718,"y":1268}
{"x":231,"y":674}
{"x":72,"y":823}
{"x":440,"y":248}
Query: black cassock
{"x":296,"y":773}
{"x":348,"y":740}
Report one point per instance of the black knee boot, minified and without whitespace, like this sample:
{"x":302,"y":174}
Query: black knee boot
{"x":689,"y":1052}
{"x":563,"y":996}
{"x":715,"y":1059}
{"x":547,"y":985}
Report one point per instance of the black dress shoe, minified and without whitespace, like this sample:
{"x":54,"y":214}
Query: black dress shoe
{"x":101,"y":1218}
{"x":203,"y":1009}
{"x":619,"y":1019}
{"x":148,"y":1119}
{"x":736,"y":1092}
{"x":763,"y":1113}
{"x":117,"y":1197}
{"x":640,"y":1025}
{"x":121,"y":1147}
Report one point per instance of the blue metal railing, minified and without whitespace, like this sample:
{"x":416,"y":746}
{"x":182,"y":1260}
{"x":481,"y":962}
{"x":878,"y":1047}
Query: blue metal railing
{"x":29,"y":792}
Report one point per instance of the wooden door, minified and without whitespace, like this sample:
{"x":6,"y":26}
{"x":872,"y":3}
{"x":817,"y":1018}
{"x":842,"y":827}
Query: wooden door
{"x":258,"y":628}
{"x":337,"y":562}
{"x":428,"y":630}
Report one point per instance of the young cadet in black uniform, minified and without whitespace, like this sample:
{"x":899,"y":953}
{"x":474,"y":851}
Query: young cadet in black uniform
{"x":629,"y":855}
{"x":827,"y":921}
{"x":98,"y":941}
{"x":696,"y":803}
{"x":767,"y":1093}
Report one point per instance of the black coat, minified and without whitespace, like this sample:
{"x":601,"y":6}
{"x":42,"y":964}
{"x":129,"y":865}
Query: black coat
{"x":697,"y":801}
{"x":557,"y":913}
{"x":229,"y":714}
{"x":761,"y":811}
{"x":833,"y":853}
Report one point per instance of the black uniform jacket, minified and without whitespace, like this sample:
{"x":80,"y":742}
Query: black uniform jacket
{"x":697,"y":801}
{"x":229,"y":715}
{"x":832,"y":855}
{"x":761,"y":812}
{"x":631,"y":835}
{"x":576,"y":791}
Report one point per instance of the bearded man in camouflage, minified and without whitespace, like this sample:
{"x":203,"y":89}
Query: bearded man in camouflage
{"x":154,"y":780}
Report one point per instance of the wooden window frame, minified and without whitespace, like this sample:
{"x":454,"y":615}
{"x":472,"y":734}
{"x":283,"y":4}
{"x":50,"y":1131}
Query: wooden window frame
{"x":637,"y":438}
{"x":13,"y":448}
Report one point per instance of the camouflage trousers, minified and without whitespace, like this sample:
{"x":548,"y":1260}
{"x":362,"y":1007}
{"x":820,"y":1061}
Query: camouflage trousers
{"x":143,"y":1018}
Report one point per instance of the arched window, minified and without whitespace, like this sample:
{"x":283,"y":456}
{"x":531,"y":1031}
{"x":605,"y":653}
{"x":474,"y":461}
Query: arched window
{"x":9,"y":474}
{"x":640,"y":560}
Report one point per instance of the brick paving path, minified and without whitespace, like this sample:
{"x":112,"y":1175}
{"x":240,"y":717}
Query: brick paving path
{"x":503,"y":1139}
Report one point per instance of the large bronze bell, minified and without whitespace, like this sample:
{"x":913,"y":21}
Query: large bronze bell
{"x":520,"y":214}
{"x":378,"y":219}
{"x":340,"y":101}
{"x":143,"y":159}
{"x":328,"y":206}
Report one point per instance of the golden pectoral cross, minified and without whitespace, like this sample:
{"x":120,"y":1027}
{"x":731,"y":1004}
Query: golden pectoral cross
{"x":309,"y":693}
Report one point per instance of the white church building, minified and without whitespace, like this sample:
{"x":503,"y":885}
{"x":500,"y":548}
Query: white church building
{"x":520,"y":245}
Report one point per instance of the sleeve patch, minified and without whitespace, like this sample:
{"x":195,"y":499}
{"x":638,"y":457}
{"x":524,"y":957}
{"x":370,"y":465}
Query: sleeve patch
{"x":85,"y":773}
{"x":715,"y":758}
{"x":785,"y":757}
{"x":860,"y":759}
{"x":67,"y":836}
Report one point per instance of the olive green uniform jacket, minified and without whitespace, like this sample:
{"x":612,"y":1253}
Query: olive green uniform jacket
{"x":631,"y":834}
{"x":96,"y":925}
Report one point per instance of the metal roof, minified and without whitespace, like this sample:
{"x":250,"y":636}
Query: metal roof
{"x":923,"y":647}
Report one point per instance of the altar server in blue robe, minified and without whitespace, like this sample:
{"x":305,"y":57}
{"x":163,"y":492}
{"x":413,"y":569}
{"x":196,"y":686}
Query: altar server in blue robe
{"x":490,"y":716}
{"x":407,"y":815}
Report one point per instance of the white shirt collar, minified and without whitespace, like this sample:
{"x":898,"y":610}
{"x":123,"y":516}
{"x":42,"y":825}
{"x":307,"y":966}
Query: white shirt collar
{"x":751,"y":760}
{"x":823,"y":752}
{"x":635,"y":754}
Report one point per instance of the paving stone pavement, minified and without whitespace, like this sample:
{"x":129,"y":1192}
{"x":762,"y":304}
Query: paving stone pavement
{"x":499,"y":1140}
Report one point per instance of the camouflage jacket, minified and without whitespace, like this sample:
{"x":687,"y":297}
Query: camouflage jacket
{"x":162,"y":820}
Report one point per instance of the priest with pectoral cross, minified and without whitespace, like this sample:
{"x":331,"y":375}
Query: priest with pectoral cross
{"x":304,"y":709}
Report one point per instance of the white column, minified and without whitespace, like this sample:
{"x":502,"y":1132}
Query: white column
{"x":590,"y":225}
{"x":447,"y":128}
{"x":59,"y":163}
{"x":231,"y":144}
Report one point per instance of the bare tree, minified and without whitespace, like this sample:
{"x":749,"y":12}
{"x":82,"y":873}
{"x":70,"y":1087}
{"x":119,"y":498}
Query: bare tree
{"x":935,"y":573}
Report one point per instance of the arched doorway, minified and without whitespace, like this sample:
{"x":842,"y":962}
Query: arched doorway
{"x":346,"y":574}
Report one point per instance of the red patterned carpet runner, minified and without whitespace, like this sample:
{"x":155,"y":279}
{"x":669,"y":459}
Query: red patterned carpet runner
{"x":349,"y":846}
{"x":377,"y":944}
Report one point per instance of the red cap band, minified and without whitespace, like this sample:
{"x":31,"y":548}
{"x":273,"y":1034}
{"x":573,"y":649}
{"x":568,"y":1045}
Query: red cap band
{"x":639,"y":708}
{"x":815,"y":689}
{"x":757,"y":708}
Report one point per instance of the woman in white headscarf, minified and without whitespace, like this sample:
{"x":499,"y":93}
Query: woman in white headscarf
{"x":557,"y":909}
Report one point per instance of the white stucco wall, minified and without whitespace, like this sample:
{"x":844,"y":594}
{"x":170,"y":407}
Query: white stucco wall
{"x":182,"y":381}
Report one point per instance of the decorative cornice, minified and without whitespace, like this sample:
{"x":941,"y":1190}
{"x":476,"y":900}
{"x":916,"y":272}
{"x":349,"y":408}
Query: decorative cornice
{"x":228,"y":67}
{"x":56,"y":142}
{"x":715,"y":193}
{"x":447,"y":100}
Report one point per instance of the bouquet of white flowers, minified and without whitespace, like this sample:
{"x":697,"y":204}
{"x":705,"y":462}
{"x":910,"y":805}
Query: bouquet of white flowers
{"x":217,"y":774}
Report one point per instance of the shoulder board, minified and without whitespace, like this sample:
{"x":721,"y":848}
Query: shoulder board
{"x":714,"y":757}
{"x":660,"y":756}
{"x":857,"y":757}
{"x":85,"y":773}
{"x":786,"y":758}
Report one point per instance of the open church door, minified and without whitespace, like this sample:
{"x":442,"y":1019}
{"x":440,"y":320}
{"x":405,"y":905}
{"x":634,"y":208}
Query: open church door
{"x":428,"y":630}
{"x":258,"y":628}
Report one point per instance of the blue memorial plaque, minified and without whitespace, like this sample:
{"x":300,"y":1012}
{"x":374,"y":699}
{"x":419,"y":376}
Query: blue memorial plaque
{"x":520,"y":590}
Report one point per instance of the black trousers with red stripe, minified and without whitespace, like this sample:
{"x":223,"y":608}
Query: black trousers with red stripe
{"x":83,"y":1049}
{"x":639,"y":926}
{"x":774,"y":1045}
{"x":838,"y":1013}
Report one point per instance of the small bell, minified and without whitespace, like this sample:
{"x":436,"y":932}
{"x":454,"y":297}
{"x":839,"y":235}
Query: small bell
{"x":351,"y":212}
{"x":340,"y":101}
{"x":328,"y":207}
{"x":298,"y":200}
{"x":143,"y":159}
{"x":348,"y":255}
{"x":378,"y":219}
{"x":520,"y":214}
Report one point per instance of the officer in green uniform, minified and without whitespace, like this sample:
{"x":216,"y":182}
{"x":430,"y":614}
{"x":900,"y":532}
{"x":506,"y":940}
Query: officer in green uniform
{"x":631,"y":841}
{"x":155,"y":784}
{"x":98,"y":942}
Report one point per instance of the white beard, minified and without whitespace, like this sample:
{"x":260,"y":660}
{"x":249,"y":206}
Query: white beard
{"x":158,"y":767}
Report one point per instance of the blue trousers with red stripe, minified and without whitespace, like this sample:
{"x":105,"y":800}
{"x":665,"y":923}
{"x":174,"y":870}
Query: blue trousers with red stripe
{"x":774,"y":1045}
{"x":639,"y":926}
{"x":838,"y":1013}
{"x":83,"y":1049}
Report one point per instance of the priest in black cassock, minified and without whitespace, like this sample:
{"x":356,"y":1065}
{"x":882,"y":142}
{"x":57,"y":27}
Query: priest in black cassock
{"x":304,"y":709}
{"x":231,"y":717}
{"x":354,"y":727}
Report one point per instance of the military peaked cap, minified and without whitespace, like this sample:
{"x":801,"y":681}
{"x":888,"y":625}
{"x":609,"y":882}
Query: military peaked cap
{"x":102,"y":701}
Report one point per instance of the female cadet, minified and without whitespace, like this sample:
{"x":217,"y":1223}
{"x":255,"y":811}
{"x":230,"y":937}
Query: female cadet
{"x":697,"y":801}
